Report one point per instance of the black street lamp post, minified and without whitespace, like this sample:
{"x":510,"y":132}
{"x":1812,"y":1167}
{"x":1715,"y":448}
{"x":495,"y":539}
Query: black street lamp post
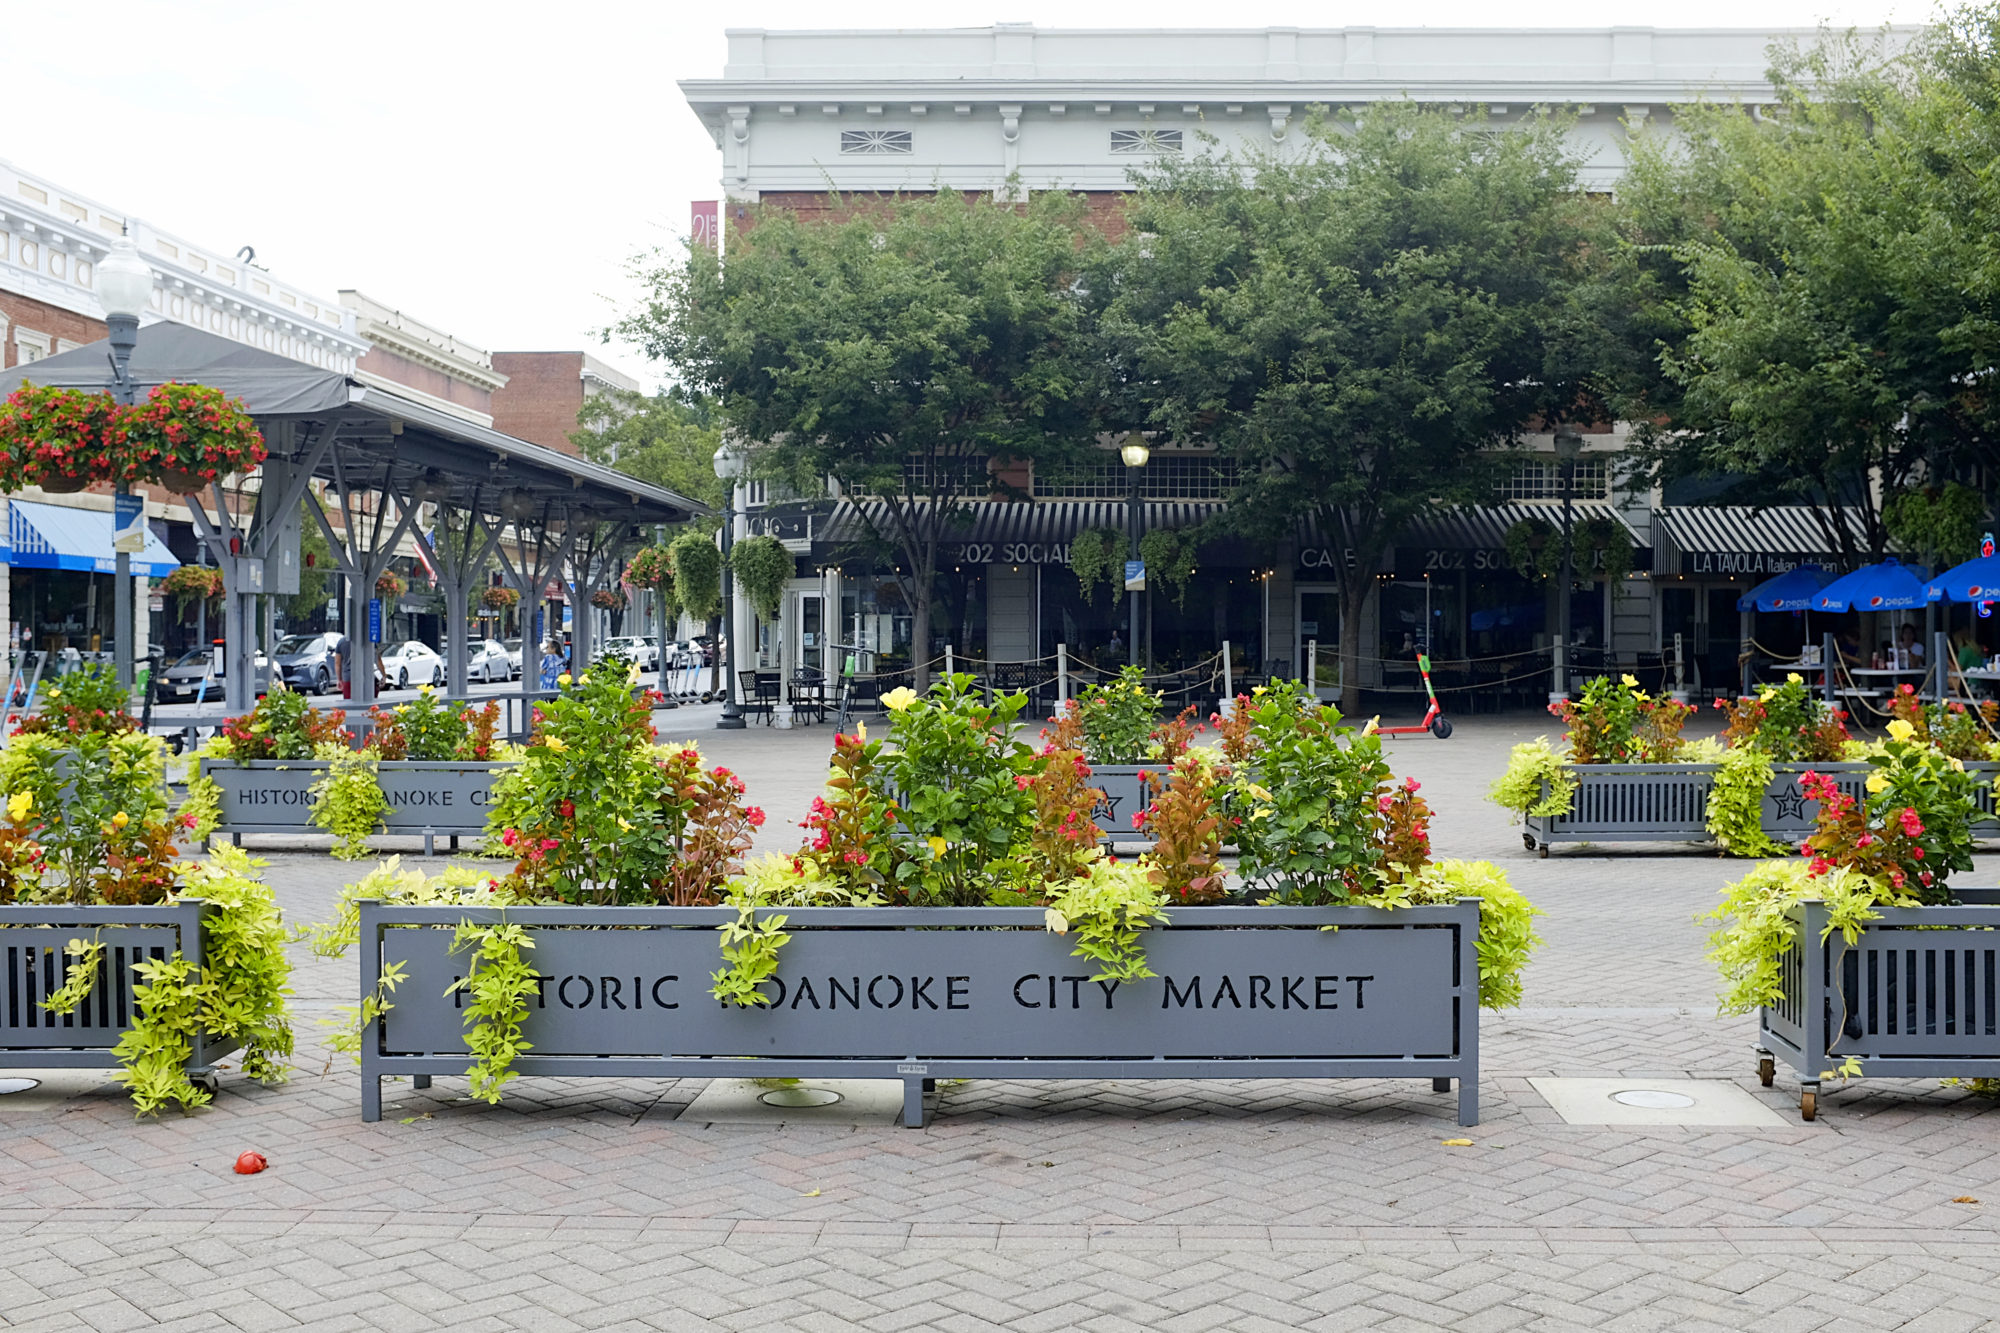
{"x":1134,"y":453}
{"x":729,"y":463}
{"x":124,"y":284}
{"x":1568,"y":445}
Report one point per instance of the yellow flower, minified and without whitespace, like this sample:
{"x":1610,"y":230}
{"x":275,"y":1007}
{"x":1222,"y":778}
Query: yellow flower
{"x":1055,"y":922}
{"x":563,"y":680}
{"x":1794,"y":678}
{"x":1958,"y":765}
{"x":631,"y":673}
{"x":1257,"y":689}
{"x":54,"y":693}
{"x":1374,"y":725}
{"x":1631,"y":682}
{"x":1877,"y":784}
{"x":120,"y":820}
{"x":584,"y":679}
{"x":861,"y":731}
{"x":624,"y":824}
{"x":1259,"y":792}
{"x":937,"y":845}
{"x":1901,"y":729}
{"x":421,"y":689}
{"x":19,"y":804}
{"x":555,"y":743}
{"x":898,"y":699}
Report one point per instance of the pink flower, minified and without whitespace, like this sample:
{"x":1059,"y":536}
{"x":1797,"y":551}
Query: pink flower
{"x":1412,"y":785}
{"x":1926,"y":877}
{"x":1138,"y":819}
{"x":854,"y":858}
{"x":549,"y":844}
{"x":754,"y":815}
{"x":1917,"y":852}
{"x":822,"y":840}
{"x":1865,"y":840}
{"x":1896,"y":878}
{"x":1022,"y":782}
{"x":510,"y":837}
{"x":1913,"y":827}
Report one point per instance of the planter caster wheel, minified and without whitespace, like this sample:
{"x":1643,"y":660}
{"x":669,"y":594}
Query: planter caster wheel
{"x":1543,"y":851}
{"x":207,"y":1082}
{"x":1809,"y":1105}
{"x":1528,"y":841}
{"x":1767,"y":1069}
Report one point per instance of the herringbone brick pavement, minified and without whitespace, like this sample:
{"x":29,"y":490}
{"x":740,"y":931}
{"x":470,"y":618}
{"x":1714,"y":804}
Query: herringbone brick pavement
{"x":1034,"y":1206}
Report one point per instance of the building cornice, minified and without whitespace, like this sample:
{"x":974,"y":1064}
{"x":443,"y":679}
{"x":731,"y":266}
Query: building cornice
{"x":51,"y":239}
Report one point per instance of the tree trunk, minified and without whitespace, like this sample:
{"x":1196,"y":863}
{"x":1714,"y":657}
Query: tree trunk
{"x":715,"y":655}
{"x":920,"y":632}
{"x":1355,"y":586}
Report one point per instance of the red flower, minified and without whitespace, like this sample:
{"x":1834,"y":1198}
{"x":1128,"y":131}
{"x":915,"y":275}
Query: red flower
{"x":755,"y":816}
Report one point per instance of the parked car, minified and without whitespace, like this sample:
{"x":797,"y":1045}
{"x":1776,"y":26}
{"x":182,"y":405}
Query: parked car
{"x":634,"y":648}
{"x":307,"y":662}
{"x":411,"y":663}
{"x":513,"y":647}
{"x":182,"y":681}
{"x":486,"y":659}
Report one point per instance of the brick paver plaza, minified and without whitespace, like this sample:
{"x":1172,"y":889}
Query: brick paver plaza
{"x":1045,"y":1206}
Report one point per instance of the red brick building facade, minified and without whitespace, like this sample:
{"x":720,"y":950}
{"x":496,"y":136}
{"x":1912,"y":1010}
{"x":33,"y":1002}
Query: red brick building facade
{"x":546,"y":390}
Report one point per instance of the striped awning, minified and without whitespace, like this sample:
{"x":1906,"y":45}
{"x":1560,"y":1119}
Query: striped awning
{"x":1484,"y":527}
{"x":1048,"y":523}
{"x":1739,"y":540}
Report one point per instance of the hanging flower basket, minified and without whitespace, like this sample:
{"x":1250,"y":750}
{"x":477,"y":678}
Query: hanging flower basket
{"x":58,"y":439}
{"x":649,"y":567}
{"x":183,"y":437}
{"x":610,"y":599}
{"x":192,"y":583}
{"x":390,"y":584}
{"x":500,"y":599}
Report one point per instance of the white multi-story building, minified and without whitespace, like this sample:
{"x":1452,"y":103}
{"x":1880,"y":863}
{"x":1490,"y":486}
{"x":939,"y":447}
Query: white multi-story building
{"x":801,"y":119}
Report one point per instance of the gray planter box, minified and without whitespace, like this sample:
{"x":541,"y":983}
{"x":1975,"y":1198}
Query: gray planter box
{"x":1124,"y":796}
{"x":426,"y":799}
{"x":1669,"y":803}
{"x":32,"y":964}
{"x":919,"y":994}
{"x":1917,"y":996}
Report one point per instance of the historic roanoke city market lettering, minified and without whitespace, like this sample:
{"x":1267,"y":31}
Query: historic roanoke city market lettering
{"x":1033,"y":990}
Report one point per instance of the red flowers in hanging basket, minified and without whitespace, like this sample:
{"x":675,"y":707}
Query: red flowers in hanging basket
{"x":183,"y":437}
{"x":610,"y":599}
{"x":390,"y":584}
{"x":501,"y":599}
{"x":649,"y":567}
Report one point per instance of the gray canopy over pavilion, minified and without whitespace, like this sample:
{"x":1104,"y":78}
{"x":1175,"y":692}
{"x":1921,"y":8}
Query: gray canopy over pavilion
{"x":384,"y":457}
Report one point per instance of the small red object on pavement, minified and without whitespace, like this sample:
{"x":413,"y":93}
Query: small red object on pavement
{"x":250,"y":1163}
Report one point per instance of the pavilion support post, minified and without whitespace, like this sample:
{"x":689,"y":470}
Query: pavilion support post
{"x":459,"y":556}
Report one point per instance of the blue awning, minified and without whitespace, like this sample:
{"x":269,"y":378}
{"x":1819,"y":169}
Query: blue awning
{"x":51,"y":537}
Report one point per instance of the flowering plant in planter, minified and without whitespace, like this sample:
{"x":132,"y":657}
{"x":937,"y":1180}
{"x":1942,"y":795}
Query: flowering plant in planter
{"x":89,"y":699}
{"x":1616,"y":722}
{"x":184,"y":435}
{"x":1959,"y":731}
{"x":284,"y":725}
{"x":1787,"y":723}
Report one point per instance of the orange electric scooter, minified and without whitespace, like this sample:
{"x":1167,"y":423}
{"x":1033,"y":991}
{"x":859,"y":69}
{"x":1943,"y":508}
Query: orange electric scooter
{"x":1435,"y":722}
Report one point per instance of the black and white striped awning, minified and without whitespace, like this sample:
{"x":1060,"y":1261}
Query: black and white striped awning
{"x":1727,"y":540}
{"x":1484,"y":527}
{"x":1005,"y":522}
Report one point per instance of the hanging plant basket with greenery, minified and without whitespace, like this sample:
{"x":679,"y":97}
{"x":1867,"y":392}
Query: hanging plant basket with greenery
{"x":59,"y":439}
{"x":649,"y":567}
{"x":697,"y":568}
{"x":763,"y":568}
{"x":390,"y":585}
{"x":1093,"y":558}
{"x":608,"y":599}
{"x":189,"y":584}
{"x":500,"y":598}
{"x":886,"y":915}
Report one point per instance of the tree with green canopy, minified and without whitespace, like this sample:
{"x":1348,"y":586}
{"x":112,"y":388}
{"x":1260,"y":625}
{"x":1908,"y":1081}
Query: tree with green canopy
{"x":1811,"y":285}
{"x":1369,"y":320}
{"x":905,"y":352}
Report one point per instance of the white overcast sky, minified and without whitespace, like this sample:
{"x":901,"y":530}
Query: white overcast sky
{"x":488,"y":168}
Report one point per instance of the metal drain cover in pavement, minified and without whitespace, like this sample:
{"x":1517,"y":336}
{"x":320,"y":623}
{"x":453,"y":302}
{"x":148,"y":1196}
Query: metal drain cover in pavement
{"x":794,"y":1098}
{"x":1640,"y":1102}
{"x":8,"y":1085}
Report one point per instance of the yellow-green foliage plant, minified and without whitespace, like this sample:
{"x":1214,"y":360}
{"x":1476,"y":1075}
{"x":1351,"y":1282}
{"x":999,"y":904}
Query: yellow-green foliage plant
{"x":1537,"y":781}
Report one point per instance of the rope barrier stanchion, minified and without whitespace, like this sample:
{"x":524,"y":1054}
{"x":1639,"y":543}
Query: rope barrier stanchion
{"x":1062,"y":676}
{"x":1228,"y":676}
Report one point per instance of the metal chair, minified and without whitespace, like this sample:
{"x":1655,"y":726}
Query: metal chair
{"x":750,"y":689}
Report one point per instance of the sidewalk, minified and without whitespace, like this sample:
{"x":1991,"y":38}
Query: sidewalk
{"x":1048,"y":1206}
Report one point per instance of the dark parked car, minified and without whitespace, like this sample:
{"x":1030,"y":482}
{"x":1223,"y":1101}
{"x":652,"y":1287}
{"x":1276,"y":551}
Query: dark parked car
{"x":307,"y":661}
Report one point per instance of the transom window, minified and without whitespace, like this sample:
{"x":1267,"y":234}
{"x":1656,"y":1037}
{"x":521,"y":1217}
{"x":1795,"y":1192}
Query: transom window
{"x":1543,"y":481}
{"x":1148,"y":140}
{"x":877,"y":143}
{"x":1166,"y":477}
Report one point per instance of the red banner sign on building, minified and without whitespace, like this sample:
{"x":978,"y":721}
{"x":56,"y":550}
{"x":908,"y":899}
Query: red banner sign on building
{"x":705,"y":223}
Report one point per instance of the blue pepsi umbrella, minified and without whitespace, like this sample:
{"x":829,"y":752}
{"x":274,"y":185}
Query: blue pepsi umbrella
{"x":1889,"y":586}
{"x":1974,"y":581}
{"x":1790,"y":591}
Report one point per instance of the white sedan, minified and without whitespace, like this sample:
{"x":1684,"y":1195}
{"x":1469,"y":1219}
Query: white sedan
{"x":411,"y":663}
{"x":634,"y":648}
{"x":487,"y":659}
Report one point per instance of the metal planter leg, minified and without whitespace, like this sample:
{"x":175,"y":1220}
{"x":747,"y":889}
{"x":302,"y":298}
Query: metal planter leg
{"x":913,"y":1103}
{"x":1468,"y":1102}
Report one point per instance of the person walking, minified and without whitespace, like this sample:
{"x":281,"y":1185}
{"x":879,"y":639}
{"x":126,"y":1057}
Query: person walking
{"x":552,"y":664}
